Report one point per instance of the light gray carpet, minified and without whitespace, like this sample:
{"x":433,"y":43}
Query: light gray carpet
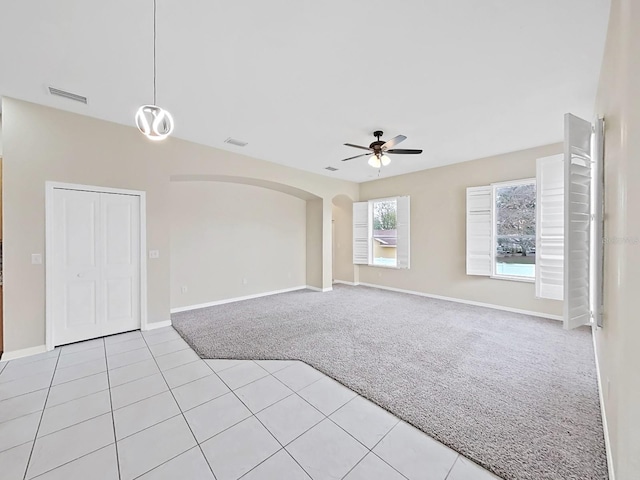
{"x":516,"y":394}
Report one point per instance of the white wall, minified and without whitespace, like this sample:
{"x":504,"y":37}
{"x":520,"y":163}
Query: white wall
{"x":618,"y":343}
{"x":223,"y":233}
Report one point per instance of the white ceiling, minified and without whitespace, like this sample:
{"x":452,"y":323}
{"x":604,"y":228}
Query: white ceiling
{"x":462,"y":79}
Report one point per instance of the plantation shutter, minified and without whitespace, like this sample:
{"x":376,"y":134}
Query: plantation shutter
{"x":550,"y":227}
{"x":403,"y":231}
{"x":479,"y":228}
{"x":577,"y":213}
{"x":361,"y":243}
{"x":598,"y":220}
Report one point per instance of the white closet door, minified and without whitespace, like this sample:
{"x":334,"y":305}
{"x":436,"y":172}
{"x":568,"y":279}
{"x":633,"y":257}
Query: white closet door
{"x":550,"y":227}
{"x":120,"y":219}
{"x":96,"y":264}
{"x":76,"y":286}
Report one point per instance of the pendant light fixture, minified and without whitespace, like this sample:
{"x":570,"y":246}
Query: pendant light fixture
{"x":153,"y":121}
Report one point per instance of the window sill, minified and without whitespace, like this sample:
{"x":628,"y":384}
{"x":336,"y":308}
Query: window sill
{"x":383,"y":266}
{"x":513,"y":279}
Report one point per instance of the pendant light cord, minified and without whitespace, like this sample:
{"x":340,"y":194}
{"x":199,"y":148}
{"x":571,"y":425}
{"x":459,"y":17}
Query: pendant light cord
{"x":154,"y":52}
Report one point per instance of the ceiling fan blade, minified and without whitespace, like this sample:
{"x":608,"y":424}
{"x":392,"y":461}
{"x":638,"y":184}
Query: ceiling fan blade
{"x":357,"y":156}
{"x":358,"y":146}
{"x":404,"y":151}
{"x":393,"y":142}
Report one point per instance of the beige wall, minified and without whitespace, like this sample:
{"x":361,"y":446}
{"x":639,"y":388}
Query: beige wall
{"x":618,"y":343}
{"x":225,"y":233}
{"x":43,"y":144}
{"x":438,"y":231}
{"x":314,"y":258}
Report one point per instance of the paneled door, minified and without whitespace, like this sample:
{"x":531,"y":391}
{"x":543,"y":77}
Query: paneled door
{"x":96,"y":264}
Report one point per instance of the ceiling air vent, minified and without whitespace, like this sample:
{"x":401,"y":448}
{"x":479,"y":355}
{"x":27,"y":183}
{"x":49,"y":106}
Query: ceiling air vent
{"x":69,"y":95}
{"x":237,"y":143}
{"x":331,"y":169}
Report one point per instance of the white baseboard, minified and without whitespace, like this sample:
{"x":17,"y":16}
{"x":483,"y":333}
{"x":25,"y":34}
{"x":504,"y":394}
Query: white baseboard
{"x":156,"y":325}
{"x":467,"y":302}
{"x":235,"y":299}
{"x":344,"y":282}
{"x":318,"y":289}
{"x":25,"y":352}
{"x":603,"y":413}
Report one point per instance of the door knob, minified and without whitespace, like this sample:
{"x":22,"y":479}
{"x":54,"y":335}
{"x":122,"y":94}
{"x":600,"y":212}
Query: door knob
{"x":80,"y":275}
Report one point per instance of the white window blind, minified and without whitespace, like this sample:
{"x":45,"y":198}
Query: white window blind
{"x":403,"y":225}
{"x":361,"y":234}
{"x":577,"y":255}
{"x":479,"y":229}
{"x":550,"y":227}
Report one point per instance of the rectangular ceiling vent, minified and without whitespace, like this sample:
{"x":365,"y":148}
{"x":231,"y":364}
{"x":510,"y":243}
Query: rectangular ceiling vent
{"x":237,"y":143}
{"x":69,"y":95}
{"x":331,"y":169}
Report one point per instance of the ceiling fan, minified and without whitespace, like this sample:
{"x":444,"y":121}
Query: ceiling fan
{"x":379,"y":149}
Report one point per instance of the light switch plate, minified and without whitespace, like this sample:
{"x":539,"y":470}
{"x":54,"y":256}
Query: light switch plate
{"x":154,"y":253}
{"x":36,"y":259}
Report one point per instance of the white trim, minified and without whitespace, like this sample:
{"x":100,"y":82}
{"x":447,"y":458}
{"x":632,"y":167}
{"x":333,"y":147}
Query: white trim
{"x":318,"y":289}
{"x":25,"y":352}
{"x":237,"y":299}
{"x":48,"y":257}
{"x":467,"y":302}
{"x":344,"y":282}
{"x":155,"y":325}
{"x":603,"y":413}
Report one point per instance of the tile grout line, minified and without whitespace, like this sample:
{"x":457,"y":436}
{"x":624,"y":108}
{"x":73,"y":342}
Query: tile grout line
{"x":113,"y":421}
{"x":452,"y":465}
{"x":254,"y":416}
{"x":33,"y":446}
{"x":327,"y":417}
{"x":259,"y":421}
{"x":183,"y":417}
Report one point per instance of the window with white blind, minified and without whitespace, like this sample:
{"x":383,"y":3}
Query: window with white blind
{"x":381,"y":232}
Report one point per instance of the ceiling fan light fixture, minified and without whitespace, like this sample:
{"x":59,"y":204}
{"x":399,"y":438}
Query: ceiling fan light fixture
{"x":385,"y":160}
{"x":374,"y":161}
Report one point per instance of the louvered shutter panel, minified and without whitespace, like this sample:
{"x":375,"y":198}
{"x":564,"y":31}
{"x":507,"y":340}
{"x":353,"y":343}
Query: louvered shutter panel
{"x":550,"y":227}
{"x":479,"y":228}
{"x":404,"y":232}
{"x":598,"y":220}
{"x":577,"y":181}
{"x":361,"y":243}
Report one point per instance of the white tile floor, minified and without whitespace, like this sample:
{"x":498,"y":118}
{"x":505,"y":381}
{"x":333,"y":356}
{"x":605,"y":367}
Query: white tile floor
{"x":144,"y":405}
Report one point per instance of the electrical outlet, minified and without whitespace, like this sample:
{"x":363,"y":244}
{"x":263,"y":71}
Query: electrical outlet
{"x":244,"y":281}
{"x":154,"y":253}
{"x":608,"y":388}
{"x":184,"y":289}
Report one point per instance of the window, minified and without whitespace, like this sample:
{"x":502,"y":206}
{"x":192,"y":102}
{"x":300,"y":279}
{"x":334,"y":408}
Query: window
{"x":501,"y":230}
{"x":514,"y":238}
{"x":566,"y":258}
{"x":385,"y":233}
{"x":381,"y":232}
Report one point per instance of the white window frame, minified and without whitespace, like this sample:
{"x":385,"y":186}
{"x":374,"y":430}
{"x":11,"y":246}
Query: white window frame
{"x":403,"y":262}
{"x":494,"y":227}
